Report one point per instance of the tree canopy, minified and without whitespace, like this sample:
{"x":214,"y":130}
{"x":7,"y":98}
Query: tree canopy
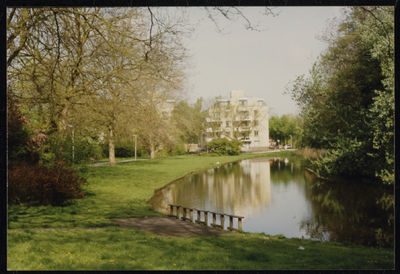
{"x":347,"y":102}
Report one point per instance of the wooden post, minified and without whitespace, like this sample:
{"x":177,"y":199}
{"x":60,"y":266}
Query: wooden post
{"x":206,"y":217}
{"x":171,"y":210}
{"x":198,"y":216}
{"x":222,"y":221}
{"x":191,"y":214}
{"x":214,"y":218}
{"x":230,"y":227}
{"x":184,"y":213}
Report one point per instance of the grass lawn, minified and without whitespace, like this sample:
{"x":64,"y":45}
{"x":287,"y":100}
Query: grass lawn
{"x":122,"y":192}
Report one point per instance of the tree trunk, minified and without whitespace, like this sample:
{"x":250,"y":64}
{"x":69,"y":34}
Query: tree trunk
{"x":111,"y":147}
{"x":152,"y":150}
{"x":64,"y":116}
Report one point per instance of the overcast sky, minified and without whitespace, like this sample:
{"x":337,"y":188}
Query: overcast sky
{"x":260,"y":63}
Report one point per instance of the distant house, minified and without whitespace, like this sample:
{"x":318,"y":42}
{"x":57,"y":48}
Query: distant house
{"x":241,"y":118}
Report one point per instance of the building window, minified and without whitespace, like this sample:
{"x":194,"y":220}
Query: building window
{"x":256,"y":133}
{"x":260,"y":102}
{"x":243,"y":102}
{"x":228,"y":133}
{"x":256,"y":123}
{"x":255,"y":113}
{"x":245,"y":114}
{"x":228,"y":124}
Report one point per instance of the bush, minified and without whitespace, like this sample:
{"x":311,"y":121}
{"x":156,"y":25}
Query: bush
{"x":23,"y":141}
{"x":178,"y":150}
{"x":124,"y":151}
{"x":224,"y":146}
{"x":38,"y":184}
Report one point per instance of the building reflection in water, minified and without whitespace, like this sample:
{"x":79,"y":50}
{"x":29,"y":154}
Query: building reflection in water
{"x":239,"y":188}
{"x":277,"y":196}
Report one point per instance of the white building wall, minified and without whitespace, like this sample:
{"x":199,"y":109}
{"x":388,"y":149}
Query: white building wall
{"x":259,"y":134}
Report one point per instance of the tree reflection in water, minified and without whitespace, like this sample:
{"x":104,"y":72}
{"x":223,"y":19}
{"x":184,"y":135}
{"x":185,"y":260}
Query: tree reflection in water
{"x":348,"y":212}
{"x":277,"y":196}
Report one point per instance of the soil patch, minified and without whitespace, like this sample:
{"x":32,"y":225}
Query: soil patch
{"x":163,"y":226}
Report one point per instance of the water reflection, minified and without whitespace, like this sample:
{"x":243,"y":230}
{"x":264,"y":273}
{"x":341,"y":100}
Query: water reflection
{"x":348,"y":212}
{"x":277,"y":196}
{"x":235,"y":188}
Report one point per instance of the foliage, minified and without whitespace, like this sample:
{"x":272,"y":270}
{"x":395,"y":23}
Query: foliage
{"x":24,"y":143}
{"x":223,"y":146}
{"x":280,"y":128}
{"x":189,"y":120}
{"x":348,"y":101}
{"x":41,"y":185}
{"x":177,"y":150}
{"x":312,"y":153}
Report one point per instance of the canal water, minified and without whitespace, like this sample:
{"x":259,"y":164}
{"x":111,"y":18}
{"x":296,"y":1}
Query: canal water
{"x":278,"y":196}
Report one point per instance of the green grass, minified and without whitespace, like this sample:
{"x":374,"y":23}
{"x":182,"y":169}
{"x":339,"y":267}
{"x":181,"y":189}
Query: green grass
{"x":121,"y":192}
{"x":116,"y":192}
{"x":133,"y":249}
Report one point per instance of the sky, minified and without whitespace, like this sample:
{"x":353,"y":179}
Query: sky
{"x":262,"y":63}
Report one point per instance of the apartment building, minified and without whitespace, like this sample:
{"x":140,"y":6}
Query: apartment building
{"x":241,"y":118}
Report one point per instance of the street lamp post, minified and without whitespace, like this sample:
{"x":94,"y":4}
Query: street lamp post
{"x":278,"y":143}
{"x":291,"y":143}
{"x":73,"y":152}
{"x":135,"y":145}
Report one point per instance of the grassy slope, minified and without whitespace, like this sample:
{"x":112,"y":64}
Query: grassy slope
{"x":115,"y":192}
{"x":122,"y":191}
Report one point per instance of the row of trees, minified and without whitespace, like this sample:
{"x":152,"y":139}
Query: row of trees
{"x":347,"y":102}
{"x":95,"y":70}
{"x":88,"y":75}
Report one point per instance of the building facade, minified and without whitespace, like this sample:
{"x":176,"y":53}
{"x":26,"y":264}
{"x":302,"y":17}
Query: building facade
{"x":240,"y":118}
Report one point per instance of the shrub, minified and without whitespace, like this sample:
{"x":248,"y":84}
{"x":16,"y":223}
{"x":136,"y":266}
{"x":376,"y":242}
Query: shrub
{"x":124,"y":151}
{"x":38,"y":184}
{"x":312,"y":153}
{"x":224,"y":146}
{"x":23,"y":141}
{"x":175,"y":150}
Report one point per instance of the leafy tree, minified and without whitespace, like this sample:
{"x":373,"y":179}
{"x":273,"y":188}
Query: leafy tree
{"x":57,"y":61}
{"x":347,"y":102}
{"x":189,"y":120}
{"x":281,"y":128}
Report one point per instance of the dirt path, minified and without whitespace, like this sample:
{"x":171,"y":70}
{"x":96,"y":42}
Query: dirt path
{"x":161,"y":226}
{"x":164,"y":226}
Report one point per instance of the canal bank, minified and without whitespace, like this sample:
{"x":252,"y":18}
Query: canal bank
{"x":121,"y":192}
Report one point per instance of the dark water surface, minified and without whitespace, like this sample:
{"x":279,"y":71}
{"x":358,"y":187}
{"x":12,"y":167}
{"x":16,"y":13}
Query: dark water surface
{"x":277,"y":196}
